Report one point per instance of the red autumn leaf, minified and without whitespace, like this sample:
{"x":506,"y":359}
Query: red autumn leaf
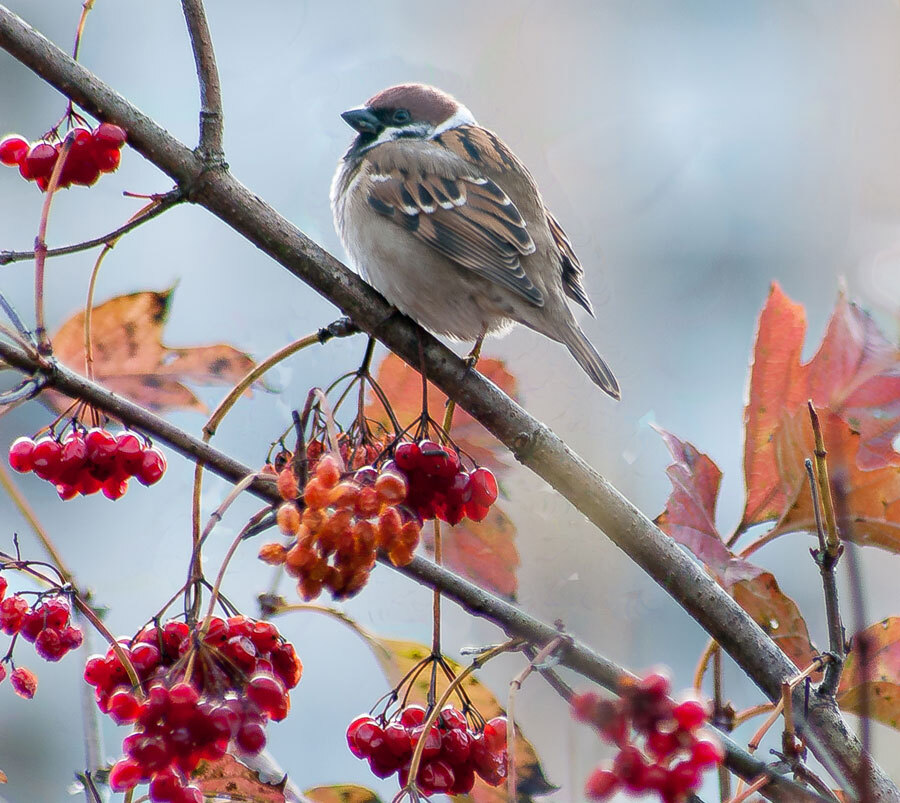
{"x":875,"y":687}
{"x":130,"y":358}
{"x":855,"y":375}
{"x":690,"y":514}
{"x":778,"y":615}
{"x":483,"y":552}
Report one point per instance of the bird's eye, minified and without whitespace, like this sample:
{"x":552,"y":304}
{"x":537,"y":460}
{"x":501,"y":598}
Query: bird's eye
{"x":401,"y":117}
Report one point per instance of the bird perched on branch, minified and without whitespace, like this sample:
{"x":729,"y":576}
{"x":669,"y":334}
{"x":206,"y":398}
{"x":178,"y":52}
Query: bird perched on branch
{"x":445,"y":221}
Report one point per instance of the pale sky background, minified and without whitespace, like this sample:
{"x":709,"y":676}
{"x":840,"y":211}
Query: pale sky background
{"x":693,"y":150}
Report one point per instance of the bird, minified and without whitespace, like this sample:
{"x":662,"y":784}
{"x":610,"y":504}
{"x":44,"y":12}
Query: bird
{"x":448,"y":224}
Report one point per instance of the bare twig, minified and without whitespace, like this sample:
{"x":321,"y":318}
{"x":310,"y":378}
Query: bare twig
{"x":826,"y":563}
{"x":718,"y":704}
{"x":832,"y":540}
{"x":165,"y":202}
{"x":532,"y":443}
{"x":212,"y":121}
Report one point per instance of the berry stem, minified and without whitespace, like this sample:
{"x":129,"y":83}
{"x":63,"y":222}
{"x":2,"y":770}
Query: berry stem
{"x":86,"y":6}
{"x":89,"y":305}
{"x":477,"y":663}
{"x":40,"y":248}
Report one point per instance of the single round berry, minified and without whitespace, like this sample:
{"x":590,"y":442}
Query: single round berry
{"x":152,"y":468}
{"x":251,"y":736}
{"x":108,"y":135}
{"x":129,"y":453}
{"x":483,"y":486}
{"x":24,"y":682}
{"x":601,"y":785}
{"x":13,"y":150}
{"x":125,"y":774}
{"x":21,"y":455}
{"x":45,"y":458}
{"x":690,"y":714}
{"x":495,"y":734}
{"x":707,"y":752}
{"x":40,"y":159}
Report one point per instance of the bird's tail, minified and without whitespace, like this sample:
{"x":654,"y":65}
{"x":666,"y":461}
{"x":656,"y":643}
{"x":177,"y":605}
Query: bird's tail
{"x":593,"y":364}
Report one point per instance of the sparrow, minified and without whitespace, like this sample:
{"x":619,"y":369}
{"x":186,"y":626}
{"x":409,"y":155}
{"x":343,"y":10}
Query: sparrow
{"x":443,"y":219}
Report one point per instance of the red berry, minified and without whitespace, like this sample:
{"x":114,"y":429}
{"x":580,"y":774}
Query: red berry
{"x":690,"y":714}
{"x":24,"y":682}
{"x":2,"y":672}
{"x":115,"y":488}
{"x":166,"y":786}
{"x":129,"y":452}
{"x":286,"y":664}
{"x":109,"y":135}
{"x":101,"y":446}
{"x":465,"y":779}
{"x":456,"y":745}
{"x":55,"y":612}
{"x":682,"y":778}
{"x":655,"y":686}
{"x":12,"y":614}
{"x":13,"y":150}
{"x":190,"y":794}
{"x":407,"y":456}
{"x":20,"y":455}
{"x":251,"y":736}
{"x":601,"y":784}
{"x":629,"y":767}
{"x":72,"y":458}
{"x":40,"y":159}
{"x":123,"y":707}
{"x":45,"y":458}
{"x":707,"y":752}
{"x":483,"y":485}
{"x":662,"y":744}
{"x":153,"y":466}
{"x":269,"y":694}
{"x":453,"y":718}
{"x":398,"y":740}
{"x":125,"y":774}
{"x":360,"y":733}
{"x":435,"y":776}
{"x":495,"y":734}
{"x":3,"y":587}
{"x":107,"y":159}
{"x":412,"y":715}
{"x":476,"y":512}
{"x":48,"y":644}
{"x":71,"y":637}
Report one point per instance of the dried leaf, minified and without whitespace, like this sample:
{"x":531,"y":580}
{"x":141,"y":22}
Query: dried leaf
{"x":341,"y":793}
{"x":778,"y":615}
{"x":877,"y":689}
{"x":483,"y":552}
{"x":3,"y":778}
{"x":131,"y":360}
{"x":855,"y":376}
{"x":232,"y":780}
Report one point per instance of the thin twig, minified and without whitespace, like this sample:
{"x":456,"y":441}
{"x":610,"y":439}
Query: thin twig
{"x":211,"y":118}
{"x":826,"y":563}
{"x":164,"y":202}
{"x":515,"y":686}
{"x":724,"y":775}
{"x":832,"y":539}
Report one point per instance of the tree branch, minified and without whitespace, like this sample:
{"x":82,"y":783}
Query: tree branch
{"x":532,"y":443}
{"x":212,"y":121}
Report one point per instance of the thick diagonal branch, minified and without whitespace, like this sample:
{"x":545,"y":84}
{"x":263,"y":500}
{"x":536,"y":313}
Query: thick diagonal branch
{"x":531,"y":442}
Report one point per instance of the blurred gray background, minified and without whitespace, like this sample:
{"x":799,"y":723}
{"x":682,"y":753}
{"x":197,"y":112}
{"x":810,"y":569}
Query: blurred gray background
{"x":694,"y":151}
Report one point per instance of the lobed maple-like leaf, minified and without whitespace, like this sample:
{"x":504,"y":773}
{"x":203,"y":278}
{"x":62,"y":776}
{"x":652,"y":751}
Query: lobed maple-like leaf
{"x":483,"y":552}
{"x":854,"y":376}
{"x":230,"y":779}
{"x":874,"y":688}
{"x":131,"y":359}
{"x":690,"y":519}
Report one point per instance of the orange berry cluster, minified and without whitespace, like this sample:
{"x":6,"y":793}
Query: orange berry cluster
{"x":662,"y":747}
{"x":344,"y":521}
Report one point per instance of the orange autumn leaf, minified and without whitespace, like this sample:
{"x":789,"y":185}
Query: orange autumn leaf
{"x":875,"y":687}
{"x":483,"y":552}
{"x":341,"y":793}
{"x":131,"y":359}
{"x":778,"y":615}
{"x":854,"y":375}
{"x":868,"y":501}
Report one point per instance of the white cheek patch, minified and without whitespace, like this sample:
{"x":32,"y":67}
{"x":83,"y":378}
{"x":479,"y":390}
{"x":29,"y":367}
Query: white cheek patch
{"x":462,"y":117}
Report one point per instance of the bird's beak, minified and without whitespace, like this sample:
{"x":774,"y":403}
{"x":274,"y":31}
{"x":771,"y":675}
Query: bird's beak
{"x":362,"y":119}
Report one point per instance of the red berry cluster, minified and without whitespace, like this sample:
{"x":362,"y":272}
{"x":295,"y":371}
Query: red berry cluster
{"x":345,"y":520}
{"x":87,"y":462}
{"x":240,"y":679}
{"x":452,"y":755}
{"x":47,"y":625}
{"x":91,"y":153}
{"x":438,"y":485}
{"x":675,"y":750}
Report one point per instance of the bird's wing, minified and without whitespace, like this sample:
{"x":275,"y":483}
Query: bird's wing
{"x":462,"y":213}
{"x":572,"y":272}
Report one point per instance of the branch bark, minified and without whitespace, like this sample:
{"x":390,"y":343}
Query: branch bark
{"x":532,"y":443}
